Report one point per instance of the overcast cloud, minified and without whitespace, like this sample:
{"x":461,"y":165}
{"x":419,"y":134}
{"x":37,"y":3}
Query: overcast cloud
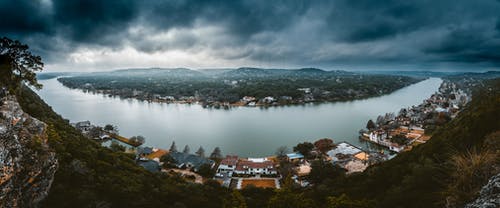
{"x":339,"y":34}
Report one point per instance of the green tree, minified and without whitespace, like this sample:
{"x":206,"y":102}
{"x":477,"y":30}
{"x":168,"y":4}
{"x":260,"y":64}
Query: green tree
{"x":304,"y":148}
{"x":117,"y":147}
{"x":216,"y":154}
{"x":173,"y":147}
{"x":186,"y":149}
{"x":370,"y":125}
{"x":206,"y":171}
{"x":286,"y":197}
{"x":343,"y":201}
{"x":18,"y":64}
{"x":236,"y":201}
{"x":200,"y":152}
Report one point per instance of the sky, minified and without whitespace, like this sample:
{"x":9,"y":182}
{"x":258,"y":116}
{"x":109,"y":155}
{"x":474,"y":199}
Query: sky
{"x":96,"y":35}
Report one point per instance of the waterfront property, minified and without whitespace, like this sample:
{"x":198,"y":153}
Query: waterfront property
{"x":255,"y":166}
{"x":190,"y":161}
{"x":227,"y":165}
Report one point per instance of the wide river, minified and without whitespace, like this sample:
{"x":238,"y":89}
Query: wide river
{"x":246,"y":131}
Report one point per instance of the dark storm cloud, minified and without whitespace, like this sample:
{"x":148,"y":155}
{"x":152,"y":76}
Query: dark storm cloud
{"x":296,"y":32}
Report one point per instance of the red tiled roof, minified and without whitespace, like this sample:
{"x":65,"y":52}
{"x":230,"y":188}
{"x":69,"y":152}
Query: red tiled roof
{"x":245,"y":164}
{"x":229,"y":160}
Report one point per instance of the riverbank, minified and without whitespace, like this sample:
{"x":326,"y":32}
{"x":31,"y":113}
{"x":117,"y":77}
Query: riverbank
{"x":246,"y":131}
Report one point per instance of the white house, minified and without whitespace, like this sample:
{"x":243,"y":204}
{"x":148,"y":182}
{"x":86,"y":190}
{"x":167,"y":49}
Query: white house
{"x":254,"y":166}
{"x":227,"y":165}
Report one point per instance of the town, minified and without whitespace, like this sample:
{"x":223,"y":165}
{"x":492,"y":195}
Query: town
{"x":395,"y":133}
{"x":412,"y":126}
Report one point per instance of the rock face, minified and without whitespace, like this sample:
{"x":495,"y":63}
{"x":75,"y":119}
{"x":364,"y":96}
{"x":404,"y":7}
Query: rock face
{"x":489,"y":197}
{"x":27,"y":164}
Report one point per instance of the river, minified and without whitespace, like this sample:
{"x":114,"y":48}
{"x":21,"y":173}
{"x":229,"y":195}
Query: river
{"x":245,"y":131}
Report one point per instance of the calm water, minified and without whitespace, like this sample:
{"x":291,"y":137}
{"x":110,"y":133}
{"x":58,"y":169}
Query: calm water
{"x":244,"y":131}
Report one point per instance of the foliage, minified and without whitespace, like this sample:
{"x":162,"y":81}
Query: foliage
{"x":138,"y":139}
{"x":281,"y":152}
{"x":200,"y":152}
{"x":304,"y":148}
{"x":321,"y":170}
{"x":324,"y":85}
{"x":370,"y":125}
{"x":117,"y":147}
{"x":236,"y":201}
{"x":18,"y":64}
{"x":324,"y":145}
{"x":173,"y":147}
{"x":343,"y":201}
{"x":206,"y":171}
{"x":216,"y":154}
{"x":186,"y":149}
{"x":474,"y":168}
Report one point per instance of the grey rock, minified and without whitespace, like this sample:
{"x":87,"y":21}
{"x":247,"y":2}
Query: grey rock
{"x":489,"y":196}
{"x":27,"y":164}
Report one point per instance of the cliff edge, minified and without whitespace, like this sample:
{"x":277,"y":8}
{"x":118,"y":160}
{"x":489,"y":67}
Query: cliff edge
{"x":27,"y":163}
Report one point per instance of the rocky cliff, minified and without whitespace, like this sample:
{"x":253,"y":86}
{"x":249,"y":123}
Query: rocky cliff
{"x":489,"y":197}
{"x":27,"y":164}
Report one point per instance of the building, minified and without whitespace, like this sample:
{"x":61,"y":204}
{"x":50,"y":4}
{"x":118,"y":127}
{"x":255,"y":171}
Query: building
{"x":190,"y":161}
{"x":256,"y":166}
{"x":294,"y":157}
{"x":83,"y":126}
{"x":227,"y":165}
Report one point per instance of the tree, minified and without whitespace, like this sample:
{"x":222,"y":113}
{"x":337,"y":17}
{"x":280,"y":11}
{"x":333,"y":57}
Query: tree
{"x":206,"y":171}
{"x":216,"y":154}
{"x":343,"y":201}
{"x":138,"y":139}
{"x":173,"y":147}
{"x":304,"y":148}
{"x":20,"y":64}
{"x":321,"y":170}
{"x":324,"y":145}
{"x":110,"y":127}
{"x":117,"y":147}
{"x":200,"y":152}
{"x":370,"y":125}
{"x":237,"y":201}
{"x":287,"y":198}
{"x":168,"y":161}
{"x":95,"y":132}
{"x":186,"y":149}
{"x":281,"y":152}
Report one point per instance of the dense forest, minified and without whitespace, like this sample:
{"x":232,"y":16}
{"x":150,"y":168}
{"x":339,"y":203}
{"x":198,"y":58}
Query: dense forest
{"x":232,"y":85}
{"x":444,"y":171}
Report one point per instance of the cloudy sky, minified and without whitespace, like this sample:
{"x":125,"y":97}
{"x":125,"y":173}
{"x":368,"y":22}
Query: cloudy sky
{"x":96,"y":35}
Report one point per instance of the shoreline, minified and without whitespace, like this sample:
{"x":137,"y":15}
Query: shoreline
{"x":227,"y":105}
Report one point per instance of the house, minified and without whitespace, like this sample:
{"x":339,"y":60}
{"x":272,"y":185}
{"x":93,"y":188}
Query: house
{"x":268,"y":99}
{"x":256,"y":166}
{"x":343,"y":152}
{"x":294,"y":157}
{"x":150,"y":165}
{"x":248,"y":99}
{"x":190,"y":160}
{"x":83,"y":126}
{"x":227,"y":165}
{"x":376,"y":136}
